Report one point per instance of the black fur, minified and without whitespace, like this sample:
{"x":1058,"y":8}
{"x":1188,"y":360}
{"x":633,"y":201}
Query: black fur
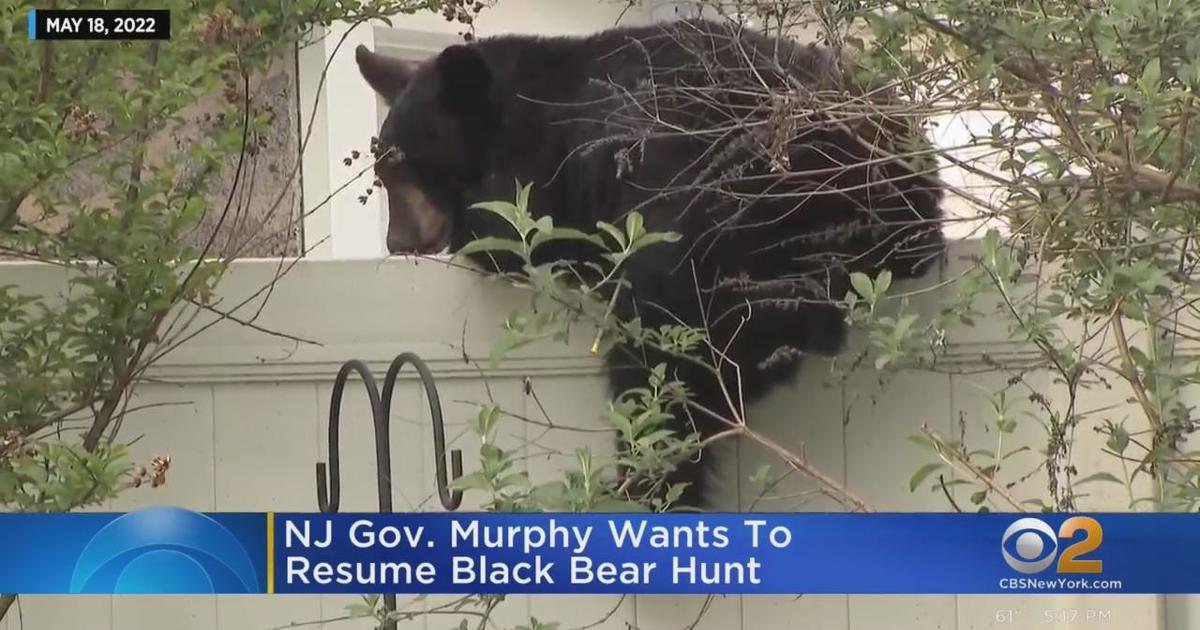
{"x":674,"y":121}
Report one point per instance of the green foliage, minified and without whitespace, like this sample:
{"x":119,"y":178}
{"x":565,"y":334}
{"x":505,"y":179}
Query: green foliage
{"x":110,"y":154}
{"x":1092,"y":109}
{"x":563,"y":292}
{"x":91,"y":184}
{"x":564,"y":296}
{"x":56,"y":477}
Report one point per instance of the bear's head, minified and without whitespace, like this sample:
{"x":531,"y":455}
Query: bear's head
{"x":432,"y":146}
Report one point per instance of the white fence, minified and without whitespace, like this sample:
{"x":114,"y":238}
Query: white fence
{"x":243,"y":412}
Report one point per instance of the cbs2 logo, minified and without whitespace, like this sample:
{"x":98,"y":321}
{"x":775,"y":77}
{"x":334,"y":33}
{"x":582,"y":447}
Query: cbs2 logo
{"x":1030,"y":545}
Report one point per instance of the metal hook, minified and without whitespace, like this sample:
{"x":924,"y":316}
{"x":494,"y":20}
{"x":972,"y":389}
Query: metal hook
{"x":329,"y":478}
{"x":329,"y":486}
{"x":451,"y":500}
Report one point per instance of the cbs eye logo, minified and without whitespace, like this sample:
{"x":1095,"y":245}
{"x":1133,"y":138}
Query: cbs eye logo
{"x":164,"y":550}
{"x":1030,"y":545}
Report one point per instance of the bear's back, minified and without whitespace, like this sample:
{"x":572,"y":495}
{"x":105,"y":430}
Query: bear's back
{"x":709,"y":129}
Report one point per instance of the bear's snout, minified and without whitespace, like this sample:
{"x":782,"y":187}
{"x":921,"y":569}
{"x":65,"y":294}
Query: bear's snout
{"x":397,"y":244}
{"x":407,"y":243}
{"x":415,"y":224}
{"x":404,"y":244}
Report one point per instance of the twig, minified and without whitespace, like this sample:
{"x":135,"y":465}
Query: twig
{"x":1130,"y":371}
{"x":946,"y":491}
{"x":971,"y":470}
{"x":837,"y":491}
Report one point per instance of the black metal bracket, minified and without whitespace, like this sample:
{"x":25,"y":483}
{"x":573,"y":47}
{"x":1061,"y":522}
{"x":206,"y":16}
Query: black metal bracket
{"x":329,"y":478}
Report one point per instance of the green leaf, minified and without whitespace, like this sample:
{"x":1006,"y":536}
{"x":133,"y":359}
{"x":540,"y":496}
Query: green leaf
{"x":8,"y":485}
{"x":902,"y":326}
{"x":1118,"y":440}
{"x":761,"y":476}
{"x":863,"y":285}
{"x":922,"y":473}
{"x":550,"y":495}
{"x":653,"y":238}
{"x":923,"y":442}
{"x":991,"y":246}
{"x":473,"y":481}
{"x":882,"y":361}
{"x":485,"y":420}
{"x":506,"y":344}
{"x":503,"y":209}
{"x":613,"y":232}
{"x":515,"y":480}
{"x":883,"y":282}
{"x":492,"y":244}
{"x":1151,"y":75}
{"x":634,"y":226}
{"x":491,"y":454}
{"x":32,"y":470}
{"x":1100,"y":476}
{"x":562,"y":234}
{"x":522,"y":205}
{"x":1014,"y":452}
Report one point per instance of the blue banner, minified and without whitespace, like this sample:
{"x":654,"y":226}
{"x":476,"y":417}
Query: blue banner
{"x":170,"y":550}
{"x":155,"y":551}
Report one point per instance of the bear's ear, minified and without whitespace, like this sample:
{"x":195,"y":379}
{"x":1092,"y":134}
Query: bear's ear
{"x":465,"y":78}
{"x":386,"y":75}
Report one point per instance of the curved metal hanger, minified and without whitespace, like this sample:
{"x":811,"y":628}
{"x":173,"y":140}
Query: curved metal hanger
{"x":451,"y":500}
{"x":329,"y":486}
{"x":329,"y":477}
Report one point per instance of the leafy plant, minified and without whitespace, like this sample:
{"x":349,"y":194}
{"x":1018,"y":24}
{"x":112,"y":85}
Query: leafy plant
{"x":122,"y":167}
{"x":1089,"y":160}
{"x":562,"y":297}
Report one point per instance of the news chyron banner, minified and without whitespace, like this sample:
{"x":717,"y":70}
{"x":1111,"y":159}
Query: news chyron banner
{"x":175,"y":551}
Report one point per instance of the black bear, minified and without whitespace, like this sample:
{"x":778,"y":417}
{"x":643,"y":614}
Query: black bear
{"x":781,"y":176}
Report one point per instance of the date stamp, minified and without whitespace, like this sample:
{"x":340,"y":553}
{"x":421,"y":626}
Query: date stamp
{"x":99,"y":24}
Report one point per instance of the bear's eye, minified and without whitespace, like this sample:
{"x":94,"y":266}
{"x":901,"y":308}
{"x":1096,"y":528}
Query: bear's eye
{"x":394,"y":156}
